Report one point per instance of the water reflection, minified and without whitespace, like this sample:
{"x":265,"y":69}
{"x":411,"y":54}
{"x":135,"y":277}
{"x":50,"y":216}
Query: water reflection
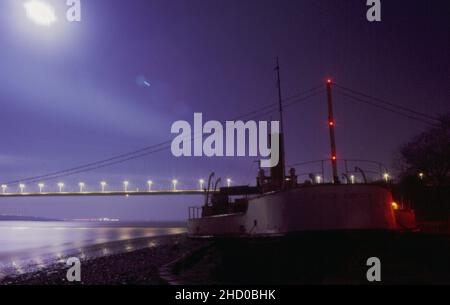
{"x":28,"y":246}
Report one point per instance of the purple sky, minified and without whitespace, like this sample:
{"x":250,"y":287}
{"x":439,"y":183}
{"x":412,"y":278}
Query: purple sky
{"x":69,"y":93}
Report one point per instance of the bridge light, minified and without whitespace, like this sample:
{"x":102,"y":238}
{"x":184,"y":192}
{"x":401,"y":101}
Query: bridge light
{"x":22,"y":187}
{"x":41,"y":187}
{"x":318,"y":179}
{"x":174,"y":182}
{"x":61,"y":186}
{"x":150,"y":183}
{"x":386,"y":177}
{"x":201,"y":182}
{"x":125,"y":186}
{"x":81,"y":185}
{"x":103,"y":184}
{"x":228,"y":182}
{"x":352,"y":179}
{"x":4,"y":187}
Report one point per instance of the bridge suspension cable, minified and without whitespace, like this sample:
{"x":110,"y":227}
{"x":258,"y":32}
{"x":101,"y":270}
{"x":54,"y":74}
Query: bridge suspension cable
{"x":299,"y":97}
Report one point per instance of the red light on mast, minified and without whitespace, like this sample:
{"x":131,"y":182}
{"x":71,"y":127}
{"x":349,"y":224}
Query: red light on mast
{"x":331,"y":123}
{"x":333,"y":158}
{"x":329,"y":81}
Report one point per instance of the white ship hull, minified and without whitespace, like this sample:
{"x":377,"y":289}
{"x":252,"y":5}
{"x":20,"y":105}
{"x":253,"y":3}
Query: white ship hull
{"x":308,"y":208}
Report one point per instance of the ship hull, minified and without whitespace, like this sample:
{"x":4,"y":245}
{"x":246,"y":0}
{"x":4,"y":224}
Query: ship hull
{"x":310,"y":208}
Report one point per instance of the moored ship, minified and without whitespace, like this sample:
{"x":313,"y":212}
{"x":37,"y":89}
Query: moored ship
{"x":297,"y":208}
{"x":279,"y":205}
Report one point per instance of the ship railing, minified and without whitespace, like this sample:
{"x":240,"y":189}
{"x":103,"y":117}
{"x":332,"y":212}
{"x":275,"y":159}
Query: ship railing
{"x":195,"y":212}
{"x":352,"y":170}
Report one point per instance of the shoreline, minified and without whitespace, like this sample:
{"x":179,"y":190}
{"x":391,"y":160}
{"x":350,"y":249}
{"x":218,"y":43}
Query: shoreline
{"x":134,"y":261}
{"x":320,"y":258}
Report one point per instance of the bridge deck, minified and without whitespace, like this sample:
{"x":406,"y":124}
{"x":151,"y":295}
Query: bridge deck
{"x":106,"y":193}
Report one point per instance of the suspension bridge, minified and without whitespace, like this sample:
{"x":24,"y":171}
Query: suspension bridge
{"x":19,"y":186}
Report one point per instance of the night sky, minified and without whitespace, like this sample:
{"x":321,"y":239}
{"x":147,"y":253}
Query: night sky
{"x":73,"y":93}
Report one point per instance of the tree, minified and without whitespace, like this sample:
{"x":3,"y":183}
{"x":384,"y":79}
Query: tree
{"x":428,"y":155}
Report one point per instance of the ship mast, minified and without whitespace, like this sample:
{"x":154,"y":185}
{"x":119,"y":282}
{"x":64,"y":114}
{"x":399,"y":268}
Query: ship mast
{"x":331,"y":124}
{"x":278,"y":173}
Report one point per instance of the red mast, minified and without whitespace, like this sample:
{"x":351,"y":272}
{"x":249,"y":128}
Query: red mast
{"x":331,"y":124}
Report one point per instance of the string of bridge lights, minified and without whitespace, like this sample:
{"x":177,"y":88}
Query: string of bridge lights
{"x":82,"y":186}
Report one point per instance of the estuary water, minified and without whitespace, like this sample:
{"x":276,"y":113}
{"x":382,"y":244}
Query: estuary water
{"x":24,"y":244}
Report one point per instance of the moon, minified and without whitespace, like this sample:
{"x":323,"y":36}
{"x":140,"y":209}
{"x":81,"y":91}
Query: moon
{"x":40,"y":12}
